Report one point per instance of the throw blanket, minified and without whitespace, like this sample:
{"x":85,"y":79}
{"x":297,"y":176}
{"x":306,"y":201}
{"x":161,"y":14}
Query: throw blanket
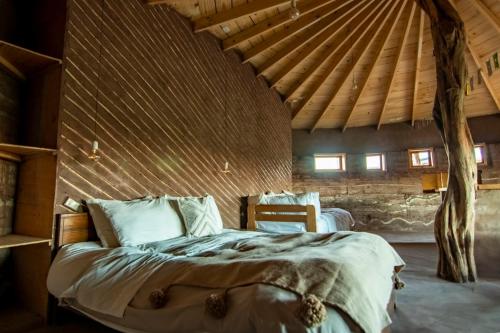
{"x":344,"y":270}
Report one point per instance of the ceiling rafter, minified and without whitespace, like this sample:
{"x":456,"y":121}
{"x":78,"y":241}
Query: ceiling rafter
{"x":385,"y":17}
{"x":487,"y":13}
{"x":372,"y":65}
{"x":340,"y":52}
{"x":394,"y":68}
{"x":485,"y":78}
{"x":207,"y":22}
{"x":317,"y":26}
{"x":418,"y":64}
{"x":271,"y":23}
{"x":326,"y":39}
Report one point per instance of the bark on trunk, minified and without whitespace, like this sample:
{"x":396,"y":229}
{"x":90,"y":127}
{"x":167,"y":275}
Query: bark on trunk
{"x":454,"y":221}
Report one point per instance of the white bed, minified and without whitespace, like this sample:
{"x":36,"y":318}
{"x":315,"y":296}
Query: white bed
{"x":254,"y":308}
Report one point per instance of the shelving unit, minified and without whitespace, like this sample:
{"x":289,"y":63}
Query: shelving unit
{"x":15,"y":153}
{"x":22,"y":62}
{"x":13,"y":240}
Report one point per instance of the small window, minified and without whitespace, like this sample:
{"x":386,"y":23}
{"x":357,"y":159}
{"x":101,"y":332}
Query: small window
{"x":480,"y":154}
{"x":421,"y":158}
{"x":375,"y":162}
{"x":329,"y":162}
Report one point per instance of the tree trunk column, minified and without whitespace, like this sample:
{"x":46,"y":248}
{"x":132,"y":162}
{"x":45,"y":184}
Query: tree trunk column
{"x":454,"y":222}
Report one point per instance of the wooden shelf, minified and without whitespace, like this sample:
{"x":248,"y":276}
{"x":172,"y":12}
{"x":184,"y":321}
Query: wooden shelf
{"x":22,"y":62}
{"x":15,"y":152}
{"x":488,"y":186}
{"x":13,"y":240}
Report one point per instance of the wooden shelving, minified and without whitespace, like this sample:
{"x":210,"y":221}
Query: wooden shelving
{"x":14,"y":240}
{"x":488,"y":186}
{"x":22,"y":62}
{"x":16,"y":152}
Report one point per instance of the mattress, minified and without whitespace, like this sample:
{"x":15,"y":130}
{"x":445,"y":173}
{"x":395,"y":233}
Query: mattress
{"x":260,"y":308}
{"x":330,"y":220}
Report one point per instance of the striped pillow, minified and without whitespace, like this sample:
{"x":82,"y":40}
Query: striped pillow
{"x":201,"y":216}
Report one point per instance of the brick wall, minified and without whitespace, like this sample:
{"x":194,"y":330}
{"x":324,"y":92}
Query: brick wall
{"x":173,"y":108}
{"x":384,"y":201}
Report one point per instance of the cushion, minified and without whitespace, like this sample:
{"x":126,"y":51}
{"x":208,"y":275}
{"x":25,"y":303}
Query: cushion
{"x":201,"y":216}
{"x":139,"y":222}
{"x":101,"y":222}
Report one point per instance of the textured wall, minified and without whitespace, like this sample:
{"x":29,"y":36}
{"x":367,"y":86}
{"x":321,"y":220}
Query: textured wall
{"x":172,"y":109}
{"x":392,"y":200}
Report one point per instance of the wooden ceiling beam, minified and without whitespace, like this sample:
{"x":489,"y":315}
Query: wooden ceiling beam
{"x":317,"y":26}
{"x":418,"y":65}
{"x":234,"y":13}
{"x":485,"y":78}
{"x":487,"y":13}
{"x":326,"y":38}
{"x":370,"y":39}
{"x":394,"y":69}
{"x":273,"y":22}
{"x":341,"y":50}
{"x":372,"y":65}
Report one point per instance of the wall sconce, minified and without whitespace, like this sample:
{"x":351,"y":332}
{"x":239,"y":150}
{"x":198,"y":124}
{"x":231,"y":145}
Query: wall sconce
{"x":94,"y":153}
{"x":226,"y":168}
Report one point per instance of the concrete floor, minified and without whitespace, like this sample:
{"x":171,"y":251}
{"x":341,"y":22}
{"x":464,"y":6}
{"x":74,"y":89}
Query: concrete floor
{"x":426,"y":305}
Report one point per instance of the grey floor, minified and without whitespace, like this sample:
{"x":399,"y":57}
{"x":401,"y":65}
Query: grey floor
{"x":427,"y":304}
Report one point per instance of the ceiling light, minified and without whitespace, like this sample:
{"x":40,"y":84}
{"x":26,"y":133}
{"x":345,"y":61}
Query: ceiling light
{"x":226,"y":29}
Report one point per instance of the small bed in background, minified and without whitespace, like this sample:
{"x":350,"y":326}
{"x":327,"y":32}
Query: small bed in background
{"x":288,"y":213}
{"x":222,"y":280}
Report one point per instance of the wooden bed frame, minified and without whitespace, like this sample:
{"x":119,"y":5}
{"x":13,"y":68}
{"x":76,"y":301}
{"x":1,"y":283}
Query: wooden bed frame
{"x":281,"y":213}
{"x":74,"y":228}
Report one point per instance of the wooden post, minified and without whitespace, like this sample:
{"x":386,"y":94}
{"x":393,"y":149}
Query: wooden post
{"x":454,"y":221}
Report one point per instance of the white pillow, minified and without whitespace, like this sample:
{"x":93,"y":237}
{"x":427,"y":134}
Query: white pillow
{"x":201,"y":216}
{"x":101,"y":222}
{"x":309,"y":198}
{"x":139,"y":222}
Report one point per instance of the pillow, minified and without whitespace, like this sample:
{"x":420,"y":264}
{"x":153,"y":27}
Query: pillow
{"x":101,"y":222}
{"x":139,"y":222}
{"x":201,"y":216}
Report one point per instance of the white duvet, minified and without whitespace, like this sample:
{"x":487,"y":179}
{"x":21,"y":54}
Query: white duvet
{"x":260,"y":308}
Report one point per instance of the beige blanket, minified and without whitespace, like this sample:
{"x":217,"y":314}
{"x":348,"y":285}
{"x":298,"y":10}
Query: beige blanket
{"x":346,"y":270}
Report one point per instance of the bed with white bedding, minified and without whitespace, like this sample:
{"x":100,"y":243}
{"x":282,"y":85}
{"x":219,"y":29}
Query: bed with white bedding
{"x":194,"y":276}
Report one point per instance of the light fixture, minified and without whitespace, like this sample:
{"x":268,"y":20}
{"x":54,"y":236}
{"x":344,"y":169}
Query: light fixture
{"x":94,"y":153}
{"x":226,"y":29}
{"x":226,"y":168}
{"x":294,"y":12}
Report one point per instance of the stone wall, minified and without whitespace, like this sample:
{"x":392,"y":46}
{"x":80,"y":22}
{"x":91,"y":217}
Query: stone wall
{"x":387,"y":201}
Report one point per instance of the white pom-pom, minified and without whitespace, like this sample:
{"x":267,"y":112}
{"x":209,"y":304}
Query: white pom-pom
{"x":158,"y":298}
{"x":215,"y":305}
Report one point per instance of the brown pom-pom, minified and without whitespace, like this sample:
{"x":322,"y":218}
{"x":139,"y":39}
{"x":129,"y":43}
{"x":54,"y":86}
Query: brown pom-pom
{"x":398,"y":283}
{"x":215,"y":305}
{"x":158,"y":298}
{"x":312,"y":312}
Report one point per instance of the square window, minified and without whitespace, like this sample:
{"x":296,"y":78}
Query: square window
{"x":480,"y":154}
{"x":421,"y":158}
{"x":329,"y":162}
{"x":375,"y":162}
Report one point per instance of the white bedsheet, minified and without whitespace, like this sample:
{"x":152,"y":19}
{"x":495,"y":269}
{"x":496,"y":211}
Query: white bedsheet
{"x":261,"y":308}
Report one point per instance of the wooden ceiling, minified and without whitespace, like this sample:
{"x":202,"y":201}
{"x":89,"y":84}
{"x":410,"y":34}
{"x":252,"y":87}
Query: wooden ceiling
{"x":350,"y":63}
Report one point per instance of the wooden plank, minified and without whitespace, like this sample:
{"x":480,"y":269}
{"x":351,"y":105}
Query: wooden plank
{"x":394,"y":69}
{"x":372,"y":65}
{"x":280,"y":218}
{"x":488,"y":186}
{"x":281,"y":208}
{"x":418,"y":65}
{"x":271,"y":23}
{"x":325,"y":38}
{"x":74,"y":228}
{"x":371,"y":18}
{"x":25,"y":150}
{"x":316,"y":27}
{"x":234,"y":13}
{"x":487,"y":14}
{"x":22,"y":62}
{"x":14,"y":240}
{"x":10,"y":156}
{"x":359,"y":56}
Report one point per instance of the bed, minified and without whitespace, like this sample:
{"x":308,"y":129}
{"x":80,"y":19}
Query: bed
{"x":254,"y":307}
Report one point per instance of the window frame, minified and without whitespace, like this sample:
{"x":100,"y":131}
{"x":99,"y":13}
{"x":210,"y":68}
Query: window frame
{"x":383,"y":165}
{"x":419,"y":150}
{"x":484,"y":153}
{"x":343,"y":162}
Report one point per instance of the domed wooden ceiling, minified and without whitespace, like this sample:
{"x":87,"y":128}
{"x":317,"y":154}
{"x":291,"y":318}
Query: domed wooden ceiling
{"x":349,"y":63}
